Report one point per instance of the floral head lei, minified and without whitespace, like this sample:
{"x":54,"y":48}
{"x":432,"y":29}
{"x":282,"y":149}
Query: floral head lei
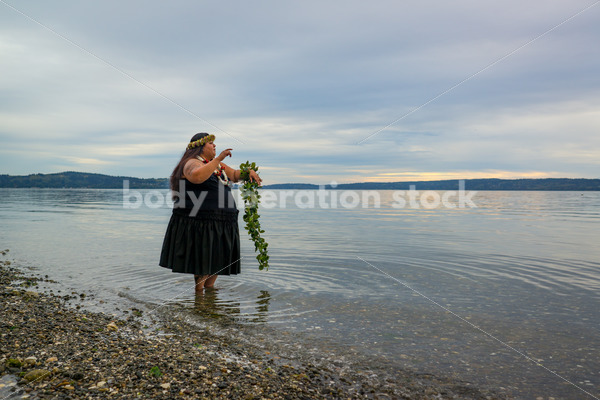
{"x":201,"y":142}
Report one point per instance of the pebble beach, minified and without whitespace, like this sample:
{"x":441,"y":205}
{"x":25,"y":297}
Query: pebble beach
{"x":51,"y":348}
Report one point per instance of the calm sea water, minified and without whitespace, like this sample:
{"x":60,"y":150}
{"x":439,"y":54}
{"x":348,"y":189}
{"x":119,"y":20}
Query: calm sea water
{"x":505,"y":295}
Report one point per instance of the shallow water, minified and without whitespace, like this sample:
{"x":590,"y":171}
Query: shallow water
{"x":9,"y":388}
{"x":506,"y":294}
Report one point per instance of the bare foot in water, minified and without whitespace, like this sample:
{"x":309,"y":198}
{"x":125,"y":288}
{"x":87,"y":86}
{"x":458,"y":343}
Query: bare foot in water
{"x":204,"y":281}
{"x":199,"y":284}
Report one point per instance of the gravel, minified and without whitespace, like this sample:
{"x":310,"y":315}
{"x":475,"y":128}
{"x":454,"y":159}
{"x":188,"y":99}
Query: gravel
{"x":51,"y":350}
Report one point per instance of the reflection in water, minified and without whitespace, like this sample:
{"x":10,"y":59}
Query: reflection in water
{"x":262,"y":307}
{"x":208,"y":305}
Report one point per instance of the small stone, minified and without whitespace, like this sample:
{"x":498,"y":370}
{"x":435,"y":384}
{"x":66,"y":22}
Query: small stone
{"x":77,"y":376}
{"x":29,"y":362}
{"x":101,"y":384}
{"x":165,"y":385}
{"x":112,"y":327}
{"x":36,"y":375}
{"x":51,"y":360}
{"x":69,"y":387}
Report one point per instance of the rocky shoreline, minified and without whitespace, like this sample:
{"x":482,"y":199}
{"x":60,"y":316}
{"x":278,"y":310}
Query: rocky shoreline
{"x":52,"y":350}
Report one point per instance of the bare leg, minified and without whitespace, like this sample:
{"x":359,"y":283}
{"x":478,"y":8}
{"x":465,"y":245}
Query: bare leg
{"x":199,"y":281}
{"x":204,"y":281}
{"x":210,"y":281}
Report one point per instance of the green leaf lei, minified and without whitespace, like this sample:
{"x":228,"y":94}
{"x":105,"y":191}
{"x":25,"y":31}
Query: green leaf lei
{"x":249,"y":192}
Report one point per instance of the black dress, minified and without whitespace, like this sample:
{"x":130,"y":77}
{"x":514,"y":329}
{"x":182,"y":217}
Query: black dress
{"x":203,"y":237}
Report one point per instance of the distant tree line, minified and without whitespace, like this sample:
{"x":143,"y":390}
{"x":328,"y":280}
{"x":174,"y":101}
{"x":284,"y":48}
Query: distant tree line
{"x":80,"y":180}
{"x":98,"y":181}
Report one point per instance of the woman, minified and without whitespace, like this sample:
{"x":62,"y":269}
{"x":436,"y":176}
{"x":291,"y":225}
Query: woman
{"x":202,"y":236}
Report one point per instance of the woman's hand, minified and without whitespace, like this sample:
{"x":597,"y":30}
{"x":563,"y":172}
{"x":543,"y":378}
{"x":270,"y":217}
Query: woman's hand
{"x":224,"y":153}
{"x":254,"y":177}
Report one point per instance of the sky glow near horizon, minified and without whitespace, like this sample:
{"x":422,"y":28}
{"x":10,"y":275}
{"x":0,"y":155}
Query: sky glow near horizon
{"x":303,"y":89}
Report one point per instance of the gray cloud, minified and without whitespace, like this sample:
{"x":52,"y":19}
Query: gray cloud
{"x":301,"y":84}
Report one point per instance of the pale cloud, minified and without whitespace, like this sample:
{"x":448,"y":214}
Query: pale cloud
{"x":136,"y":149}
{"x":300,"y":84}
{"x":87,"y":161}
{"x":443,"y":175}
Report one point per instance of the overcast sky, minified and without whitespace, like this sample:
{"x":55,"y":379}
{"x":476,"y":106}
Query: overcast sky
{"x":311,"y":91}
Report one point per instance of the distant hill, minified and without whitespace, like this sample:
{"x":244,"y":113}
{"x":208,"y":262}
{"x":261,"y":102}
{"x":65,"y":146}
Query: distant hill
{"x":470,"y":184}
{"x":298,"y":186}
{"x":98,"y":181}
{"x":79,"y":180}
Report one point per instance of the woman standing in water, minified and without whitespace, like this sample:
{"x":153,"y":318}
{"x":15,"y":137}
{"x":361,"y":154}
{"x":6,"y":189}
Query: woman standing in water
{"x":203,"y":237}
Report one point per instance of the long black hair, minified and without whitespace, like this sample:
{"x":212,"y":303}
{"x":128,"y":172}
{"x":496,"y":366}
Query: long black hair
{"x":177,"y":173}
